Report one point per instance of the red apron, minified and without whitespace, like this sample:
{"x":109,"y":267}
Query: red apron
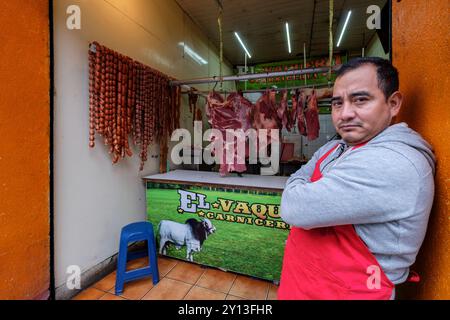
{"x":330,"y":263}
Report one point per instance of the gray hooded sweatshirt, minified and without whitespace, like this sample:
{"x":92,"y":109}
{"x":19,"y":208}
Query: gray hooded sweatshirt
{"x":385,"y":189}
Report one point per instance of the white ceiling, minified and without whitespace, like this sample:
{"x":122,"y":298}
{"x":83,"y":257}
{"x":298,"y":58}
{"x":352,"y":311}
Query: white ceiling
{"x":261,"y":25}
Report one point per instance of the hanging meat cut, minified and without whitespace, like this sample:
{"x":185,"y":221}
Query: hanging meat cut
{"x":293,"y":114}
{"x":301,"y":114}
{"x":193,"y":98}
{"x":312,"y":117}
{"x":234,"y":113}
{"x":283,"y":112}
{"x":264,"y":114}
{"x":198,"y":115}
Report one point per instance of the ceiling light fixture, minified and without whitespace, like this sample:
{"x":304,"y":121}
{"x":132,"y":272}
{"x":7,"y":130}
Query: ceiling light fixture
{"x":344,"y":28}
{"x":194,"y":55}
{"x":288,"y":37}
{"x":242,"y":44}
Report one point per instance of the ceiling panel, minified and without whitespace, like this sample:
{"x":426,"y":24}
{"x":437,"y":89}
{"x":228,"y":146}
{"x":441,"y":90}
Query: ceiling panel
{"x":261,"y":25}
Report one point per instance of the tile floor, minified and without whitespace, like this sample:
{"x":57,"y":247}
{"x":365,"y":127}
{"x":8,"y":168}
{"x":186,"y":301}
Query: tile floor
{"x":182,"y":280}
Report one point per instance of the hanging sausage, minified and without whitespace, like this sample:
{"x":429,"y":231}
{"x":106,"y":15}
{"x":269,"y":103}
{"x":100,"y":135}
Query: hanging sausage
{"x":92,"y":99}
{"x":128,"y":98}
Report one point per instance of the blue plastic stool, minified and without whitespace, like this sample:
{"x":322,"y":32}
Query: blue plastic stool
{"x":139,"y":231}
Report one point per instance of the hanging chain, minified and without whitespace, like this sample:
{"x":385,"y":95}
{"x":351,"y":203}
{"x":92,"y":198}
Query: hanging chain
{"x":331,"y":38}
{"x":219,"y":21}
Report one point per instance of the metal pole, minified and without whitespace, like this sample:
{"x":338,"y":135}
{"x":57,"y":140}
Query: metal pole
{"x":245,"y":70}
{"x":251,"y":76}
{"x":304,"y":58}
{"x":290,"y":88}
{"x":317,"y":86}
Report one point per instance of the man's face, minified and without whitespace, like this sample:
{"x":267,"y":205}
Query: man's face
{"x":359,"y":108}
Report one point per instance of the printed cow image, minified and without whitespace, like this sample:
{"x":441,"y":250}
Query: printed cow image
{"x":192,"y":234}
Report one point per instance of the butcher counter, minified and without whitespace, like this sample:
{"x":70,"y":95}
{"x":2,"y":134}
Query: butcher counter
{"x":239,"y":215}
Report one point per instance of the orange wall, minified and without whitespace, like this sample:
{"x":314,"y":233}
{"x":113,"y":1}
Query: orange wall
{"x":420,"y":45}
{"x":24,"y":149}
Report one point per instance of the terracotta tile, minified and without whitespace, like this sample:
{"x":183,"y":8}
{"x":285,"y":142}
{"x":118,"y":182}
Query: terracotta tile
{"x":135,"y":290}
{"x":273,"y":289}
{"x":168,"y":289}
{"x":165,"y":265}
{"x":186,"y":272}
{"x":198,"y":293}
{"x":249,"y":288}
{"x":110,"y":296}
{"x":90,"y":294}
{"x":137,"y":263}
{"x":106,"y":283}
{"x":216,"y":280}
{"x":230,"y":297}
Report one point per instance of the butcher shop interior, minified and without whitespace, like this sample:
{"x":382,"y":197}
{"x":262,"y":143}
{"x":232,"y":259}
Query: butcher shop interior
{"x":146,"y":95}
{"x":156,"y":137}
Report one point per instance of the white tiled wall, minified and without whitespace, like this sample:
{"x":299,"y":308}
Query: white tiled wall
{"x":305,"y":147}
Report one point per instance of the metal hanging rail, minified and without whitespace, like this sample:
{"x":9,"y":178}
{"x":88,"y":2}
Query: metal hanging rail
{"x":311,"y":86}
{"x":253,"y":76}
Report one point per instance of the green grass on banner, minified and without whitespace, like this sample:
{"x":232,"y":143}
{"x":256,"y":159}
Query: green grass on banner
{"x":243,"y":248}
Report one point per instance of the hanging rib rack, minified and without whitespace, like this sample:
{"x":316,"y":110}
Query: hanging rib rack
{"x":253,"y":76}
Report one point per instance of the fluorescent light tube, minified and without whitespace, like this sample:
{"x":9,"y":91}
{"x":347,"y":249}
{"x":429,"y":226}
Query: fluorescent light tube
{"x":242,"y":44}
{"x":194,"y":55}
{"x":345,"y":27}
{"x":288,"y":37}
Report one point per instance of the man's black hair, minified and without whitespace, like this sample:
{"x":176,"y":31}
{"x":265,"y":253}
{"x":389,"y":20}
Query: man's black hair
{"x":387,"y":74}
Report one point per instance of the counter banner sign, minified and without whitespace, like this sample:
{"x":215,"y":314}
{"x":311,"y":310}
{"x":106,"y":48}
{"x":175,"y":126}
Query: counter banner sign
{"x":255,"y":213}
{"x":290,"y":81}
{"x":237,"y":230}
